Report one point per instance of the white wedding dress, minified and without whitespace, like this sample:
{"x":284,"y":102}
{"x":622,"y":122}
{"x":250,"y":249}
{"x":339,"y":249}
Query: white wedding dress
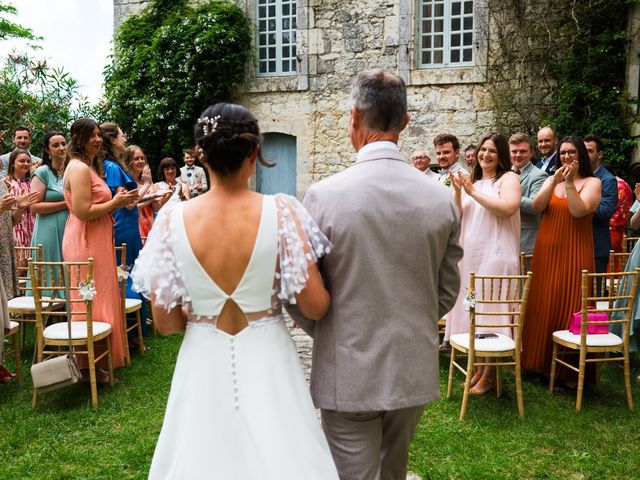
{"x":239,"y":406}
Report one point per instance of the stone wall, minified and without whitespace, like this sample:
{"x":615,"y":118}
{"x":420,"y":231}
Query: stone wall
{"x":125,"y":8}
{"x":337,"y":39}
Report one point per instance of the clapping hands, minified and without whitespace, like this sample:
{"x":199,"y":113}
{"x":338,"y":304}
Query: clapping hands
{"x":566,"y":172}
{"x":146,"y":174}
{"x":126,"y":198}
{"x":461,"y":181}
{"x":23,"y":201}
{"x":7,"y":203}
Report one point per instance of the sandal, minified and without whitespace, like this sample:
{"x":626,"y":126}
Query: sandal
{"x":483,"y":387}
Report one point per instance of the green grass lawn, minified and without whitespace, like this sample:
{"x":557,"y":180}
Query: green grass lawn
{"x":64,"y":438}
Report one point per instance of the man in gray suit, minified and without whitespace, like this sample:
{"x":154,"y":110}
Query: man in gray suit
{"x":531,"y":180}
{"x":392,"y":275}
{"x":192,"y":175}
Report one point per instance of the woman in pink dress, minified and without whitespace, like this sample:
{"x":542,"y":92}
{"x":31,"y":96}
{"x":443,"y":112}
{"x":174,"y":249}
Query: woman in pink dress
{"x":18,"y":182}
{"x":489,"y":201}
{"x":89,"y":229}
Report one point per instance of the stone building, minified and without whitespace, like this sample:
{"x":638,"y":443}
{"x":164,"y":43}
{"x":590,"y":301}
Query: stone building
{"x":308,"y":52}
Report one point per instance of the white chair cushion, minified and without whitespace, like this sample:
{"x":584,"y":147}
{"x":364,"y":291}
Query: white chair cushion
{"x":60,"y":331}
{"x":27,"y":303}
{"x":132,"y":302}
{"x":13,"y":324}
{"x":594,"y":340}
{"x":500,"y":344}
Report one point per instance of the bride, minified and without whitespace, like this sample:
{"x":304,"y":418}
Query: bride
{"x":217,"y":267}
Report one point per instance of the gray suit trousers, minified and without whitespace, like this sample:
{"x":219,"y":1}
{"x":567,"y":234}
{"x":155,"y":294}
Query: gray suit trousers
{"x":371,"y":445}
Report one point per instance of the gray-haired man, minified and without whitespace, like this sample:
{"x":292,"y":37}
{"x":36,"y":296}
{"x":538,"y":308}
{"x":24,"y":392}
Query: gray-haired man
{"x":392,"y":275}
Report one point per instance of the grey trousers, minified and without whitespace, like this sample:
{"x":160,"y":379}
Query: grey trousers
{"x":371,"y":445}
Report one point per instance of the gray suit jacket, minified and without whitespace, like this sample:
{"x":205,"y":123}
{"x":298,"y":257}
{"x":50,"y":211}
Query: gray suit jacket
{"x":198,"y":176}
{"x":392,"y":275}
{"x":531,"y":180}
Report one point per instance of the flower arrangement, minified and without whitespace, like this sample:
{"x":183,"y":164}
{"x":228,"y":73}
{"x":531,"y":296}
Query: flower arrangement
{"x":123,"y":272}
{"x":469,"y":301}
{"x":87,"y":290}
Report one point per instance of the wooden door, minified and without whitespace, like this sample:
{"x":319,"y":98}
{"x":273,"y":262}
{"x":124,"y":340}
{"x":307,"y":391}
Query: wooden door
{"x":280,"y":149}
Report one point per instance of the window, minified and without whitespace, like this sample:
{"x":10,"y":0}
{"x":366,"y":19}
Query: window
{"x":445,"y":33}
{"x":276,"y":40}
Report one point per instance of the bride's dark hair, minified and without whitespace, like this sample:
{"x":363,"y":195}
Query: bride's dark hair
{"x":227,"y":133}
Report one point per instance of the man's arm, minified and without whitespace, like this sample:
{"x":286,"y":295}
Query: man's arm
{"x":449,"y":274}
{"x":609,"y":198}
{"x":526,"y":203}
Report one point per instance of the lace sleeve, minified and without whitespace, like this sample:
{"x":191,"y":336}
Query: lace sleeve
{"x":156,"y":273}
{"x":300,"y":242}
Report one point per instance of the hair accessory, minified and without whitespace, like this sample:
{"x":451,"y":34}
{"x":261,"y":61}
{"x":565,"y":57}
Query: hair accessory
{"x":208,"y":124}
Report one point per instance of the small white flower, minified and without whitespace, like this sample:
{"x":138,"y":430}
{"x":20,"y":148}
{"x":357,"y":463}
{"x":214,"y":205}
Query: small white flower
{"x":87,"y":290}
{"x":469,"y":301}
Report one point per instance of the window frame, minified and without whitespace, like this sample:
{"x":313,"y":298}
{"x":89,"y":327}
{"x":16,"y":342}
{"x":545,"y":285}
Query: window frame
{"x":447,"y":33}
{"x":279,"y":32}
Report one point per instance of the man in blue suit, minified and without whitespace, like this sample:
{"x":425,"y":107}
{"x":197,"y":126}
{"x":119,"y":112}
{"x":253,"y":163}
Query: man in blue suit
{"x":608,"y":202}
{"x":547,"y":144}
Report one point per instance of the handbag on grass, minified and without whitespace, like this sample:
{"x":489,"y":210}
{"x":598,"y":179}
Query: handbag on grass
{"x":592,"y":329}
{"x":60,"y":371}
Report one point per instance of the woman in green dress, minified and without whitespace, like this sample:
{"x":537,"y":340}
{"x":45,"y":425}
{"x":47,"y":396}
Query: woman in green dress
{"x":51,"y":210}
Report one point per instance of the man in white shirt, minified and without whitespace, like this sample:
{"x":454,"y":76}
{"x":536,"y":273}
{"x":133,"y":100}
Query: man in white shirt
{"x":21,"y":139}
{"x":470,"y":156}
{"x":421,"y":161}
{"x":447,"y":153}
{"x":547,"y":144}
{"x":192,"y":175}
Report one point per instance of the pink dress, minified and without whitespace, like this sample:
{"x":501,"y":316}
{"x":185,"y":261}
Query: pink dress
{"x":491,"y":247}
{"x":94,"y":239}
{"x":22,"y":231}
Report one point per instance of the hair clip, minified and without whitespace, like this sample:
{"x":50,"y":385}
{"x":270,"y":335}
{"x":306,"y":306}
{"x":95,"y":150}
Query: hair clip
{"x":208,"y":123}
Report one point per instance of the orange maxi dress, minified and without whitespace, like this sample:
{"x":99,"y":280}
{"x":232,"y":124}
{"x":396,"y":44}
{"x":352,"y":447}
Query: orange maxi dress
{"x":563,"y":249}
{"x":94,"y":239}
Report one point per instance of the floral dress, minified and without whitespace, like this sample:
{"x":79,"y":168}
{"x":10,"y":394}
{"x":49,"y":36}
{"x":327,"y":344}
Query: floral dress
{"x":23,"y":230}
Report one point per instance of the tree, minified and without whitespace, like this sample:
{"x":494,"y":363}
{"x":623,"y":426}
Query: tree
{"x":565,"y":69}
{"x":169,"y":63}
{"x":39,"y":97}
{"x":8,"y":29}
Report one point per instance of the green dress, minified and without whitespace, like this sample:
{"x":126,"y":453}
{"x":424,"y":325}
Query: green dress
{"x":49,"y":228}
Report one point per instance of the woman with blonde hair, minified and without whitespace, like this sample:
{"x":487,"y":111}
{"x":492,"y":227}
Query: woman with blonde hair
{"x":150,"y":201}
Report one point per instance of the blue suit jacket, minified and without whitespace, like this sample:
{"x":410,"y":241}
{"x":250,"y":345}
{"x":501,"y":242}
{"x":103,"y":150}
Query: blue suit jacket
{"x":551,"y":168}
{"x":608,"y":202}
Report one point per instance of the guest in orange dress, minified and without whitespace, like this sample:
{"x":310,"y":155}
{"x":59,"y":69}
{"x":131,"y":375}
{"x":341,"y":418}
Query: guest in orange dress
{"x":563,"y":248}
{"x":89,"y":229}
